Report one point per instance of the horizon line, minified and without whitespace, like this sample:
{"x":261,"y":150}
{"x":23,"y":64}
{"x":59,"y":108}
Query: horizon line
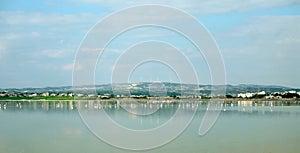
{"x":247,"y":84}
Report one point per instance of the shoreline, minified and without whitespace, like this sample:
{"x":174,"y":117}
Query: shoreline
{"x":157,"y":99}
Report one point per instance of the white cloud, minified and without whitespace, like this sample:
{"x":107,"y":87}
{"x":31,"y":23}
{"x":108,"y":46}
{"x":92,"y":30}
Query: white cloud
{"x":68,"y":67}
{"x":54,"y":53}
{"x":217,"y":6}
{"x":11,"y":36}
{"x":265,"y":50}
{"x":199,"y":6}
{"x":40,"y":19}
{"x":51,"y":38}
{"x":36,"y":35}
{"x":270,"y":35}
{"x":2,"y":50}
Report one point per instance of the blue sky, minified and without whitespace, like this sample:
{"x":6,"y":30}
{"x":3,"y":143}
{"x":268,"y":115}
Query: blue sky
{"x":259,"y":40}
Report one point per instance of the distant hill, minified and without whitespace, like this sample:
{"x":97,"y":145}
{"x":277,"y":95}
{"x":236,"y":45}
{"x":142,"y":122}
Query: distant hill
{"x":244,"y":88}
{"x":145,"y":88}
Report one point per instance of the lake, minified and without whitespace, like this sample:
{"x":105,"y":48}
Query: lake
{"x":58,"y":126}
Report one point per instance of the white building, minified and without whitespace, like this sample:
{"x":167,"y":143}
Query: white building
{"x":32,"y":95}
{"x":45,"y":94}
{"x":261,"y":93}
{"x":245,"y":95}
{"x":53,"y":94}
{"x":292,"y":92}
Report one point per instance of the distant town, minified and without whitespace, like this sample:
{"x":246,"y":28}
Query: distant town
{"x":144,"y":91}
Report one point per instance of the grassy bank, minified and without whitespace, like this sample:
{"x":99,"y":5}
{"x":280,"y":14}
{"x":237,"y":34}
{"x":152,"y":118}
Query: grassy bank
{"x":37,"y":98}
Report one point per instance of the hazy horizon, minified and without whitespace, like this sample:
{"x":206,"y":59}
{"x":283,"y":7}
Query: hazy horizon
{"x":149,"y":82}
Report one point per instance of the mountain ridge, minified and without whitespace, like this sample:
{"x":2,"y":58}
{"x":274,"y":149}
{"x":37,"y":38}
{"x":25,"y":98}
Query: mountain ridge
{"x":172,"y":87}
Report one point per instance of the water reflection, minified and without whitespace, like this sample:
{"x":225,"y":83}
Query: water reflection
{"x":136,"y":109}
{"x":55,"y":126}
{"x":139,"y":107}
{"x":138,"y":114}
{"x":38,"y":105}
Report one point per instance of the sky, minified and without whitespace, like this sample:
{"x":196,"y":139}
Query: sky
{"x":259,"y":41}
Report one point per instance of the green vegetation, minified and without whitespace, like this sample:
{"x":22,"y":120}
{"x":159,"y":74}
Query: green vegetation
{"x":37,"y":98}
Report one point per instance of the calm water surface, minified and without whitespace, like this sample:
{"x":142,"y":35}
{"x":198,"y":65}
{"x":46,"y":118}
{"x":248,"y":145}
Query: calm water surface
{"x":49,"y":126}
